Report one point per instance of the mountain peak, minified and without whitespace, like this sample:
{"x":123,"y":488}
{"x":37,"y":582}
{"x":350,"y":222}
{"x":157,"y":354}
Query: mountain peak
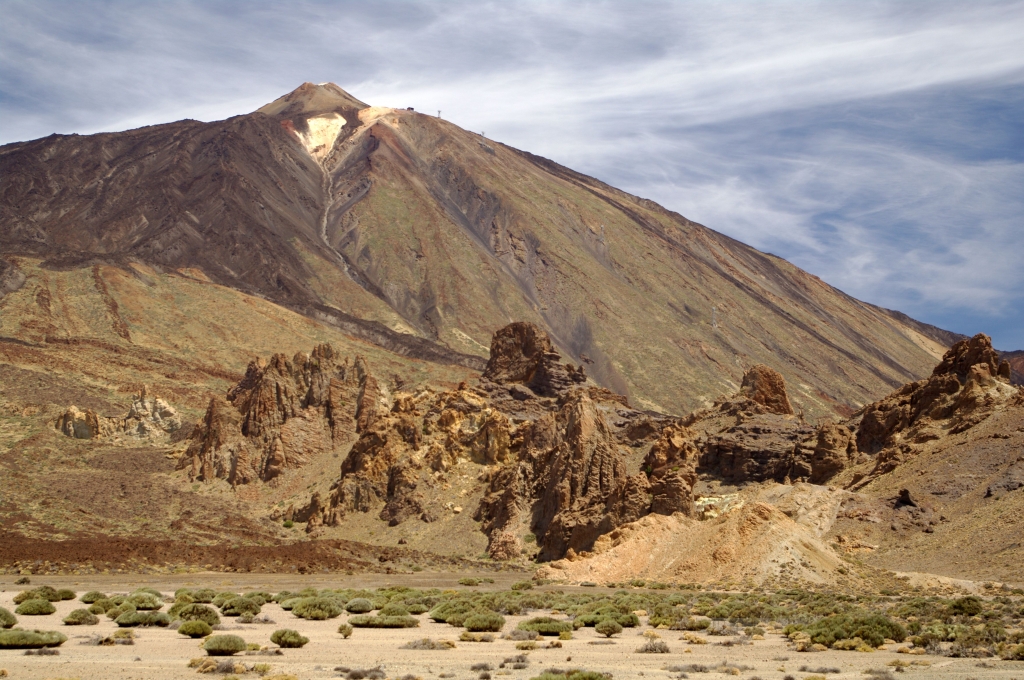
{"x":310,"y":98}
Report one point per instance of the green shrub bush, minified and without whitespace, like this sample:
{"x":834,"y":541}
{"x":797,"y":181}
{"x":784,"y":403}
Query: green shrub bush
{"x":222,"y":597}
{"x":195,"y":629}
{"x":288,"y":638}
{"x":545,"y":625}
{"x":122,"y":608}
{"x":967,"y":606}
{"x":359,"y":605}
{"x":317,"y":608}
{"x":81,"y":617}
{"x":871,"y":628}
{"x":145,"y":601}
{"x":204,"y":595}
{"x":143,"y":618}
{"x":7,"y":619}
{"x":608,"y":627}
{"x":240,"y":605}
{"x":367,"y":621}
{"x":260,"y":597}
{"x":198,"y":612}
{"x":65,"y":594}
{"x":345,"y":630}
{"x":418,"y":609}
{"x":484,"y":622}
{"x":522,"y":585}
{"x":393,"y":609}
{"x":146,"y":590}
{"x":35,"y":608}
{"x":224,"y":645}
{"x":30,"y":639}
{"x":101,"y":606}
{"x":40,"y":593}
{"x":92,"y":596}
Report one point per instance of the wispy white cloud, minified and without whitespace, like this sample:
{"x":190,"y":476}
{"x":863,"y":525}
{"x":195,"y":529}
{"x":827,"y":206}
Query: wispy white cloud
{"x":878,"y":145}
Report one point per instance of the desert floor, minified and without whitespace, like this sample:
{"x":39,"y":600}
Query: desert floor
{"x":163,"y":653}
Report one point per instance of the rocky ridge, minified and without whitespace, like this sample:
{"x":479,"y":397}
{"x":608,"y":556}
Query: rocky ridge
{"x":281,"y":415}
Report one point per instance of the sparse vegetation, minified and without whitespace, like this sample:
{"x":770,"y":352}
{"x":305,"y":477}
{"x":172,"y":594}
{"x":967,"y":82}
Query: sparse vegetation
{"x":35,"y":608}
{"x":196,"y":612}
{"x":195,"y":629}
{"x":7,"y":619}
{"x":345,"y":630}
{"x":653,"y":647}
{"x":545,"y":625}
{"x":224,"y":645}
{"x":30,"y":639}
{"x":143,"y":618}
{"x":608,"y":627}
{"x":92,"y":596}
{"x":429,"y":644}
{"x":288,"y":638}
{"x":81,"y":617}
{"x":237,"y":606}
{"x":317,"y":608}
{"x":359,"y":605}
{"x":484,"y":621}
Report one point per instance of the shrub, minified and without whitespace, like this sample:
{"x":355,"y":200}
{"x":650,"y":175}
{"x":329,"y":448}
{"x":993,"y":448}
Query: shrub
{"x":393,"y":609}
{"x":146,"y":590}
{"x":30,"y":639}
{"x":92,"y":596}
{"x":522,"y":585}
{"x":7,"y":619}
{"x":240,"y":605}
{"x":198,"y":612}
{"x":40,"y":593}
{"x":81,"y":617}
{"x":224,"y":645}
{"x":65,"y":594}
{"x":608,"y":628}
{"x":145,"y":618}
{"x":145,"y":601}
{"x":484,"y":621}
{"x":286,"y":637}
{"x":204,"y":595}
{"x":654,"y":647}
{"x":418,"y":609}
{"x":967,"y":606}
{"x":469,"y":581}
{"x":317,"y":608}
{"x":115,"y":612}
{"x":545,"y":625}
{"x":873,"y":629}
{"x":102,"y":606}
{"x":427,"y":643}
{"x":366,"y":621}
{"x":359,"y":605}
{"x":35,"y":608}
{"x":195,"y":629}
{"x":345,"y":630}
{"x":222,"y":597}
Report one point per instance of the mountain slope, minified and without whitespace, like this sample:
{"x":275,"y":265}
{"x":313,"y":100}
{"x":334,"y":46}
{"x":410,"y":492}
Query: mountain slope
{"x":346,"y":212}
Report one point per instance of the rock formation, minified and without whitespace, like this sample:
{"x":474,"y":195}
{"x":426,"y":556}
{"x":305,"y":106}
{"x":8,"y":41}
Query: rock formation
{"x":281,"y":415}
{"x":966,"y":387}
{"x":148,"y":417}
{"x":522,"y":353}
{"x":765,"y":386}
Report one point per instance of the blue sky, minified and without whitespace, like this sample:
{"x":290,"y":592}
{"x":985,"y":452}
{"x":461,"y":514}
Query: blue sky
{"x":877,"y":145}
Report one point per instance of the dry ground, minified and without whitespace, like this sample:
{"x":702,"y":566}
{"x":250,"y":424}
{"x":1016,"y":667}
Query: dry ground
{"x":163,"y":653}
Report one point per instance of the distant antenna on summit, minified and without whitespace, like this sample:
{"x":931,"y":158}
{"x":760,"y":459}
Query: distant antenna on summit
{"x":439,"y":113}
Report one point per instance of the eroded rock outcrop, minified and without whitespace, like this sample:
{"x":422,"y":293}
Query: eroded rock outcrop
{"x":523,"y":353}
{"x":963,"y":390}
{"x":766,"y":386}
{"x":148,"y":417}
{"x":967,"y":387}
{"x":283,"y":413}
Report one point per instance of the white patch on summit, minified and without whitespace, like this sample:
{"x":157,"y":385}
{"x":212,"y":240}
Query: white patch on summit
{"x":320,"y":134}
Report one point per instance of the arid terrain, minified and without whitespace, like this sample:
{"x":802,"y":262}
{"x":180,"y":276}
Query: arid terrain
{"x":338,"y":347}
{"x":158,"y":652}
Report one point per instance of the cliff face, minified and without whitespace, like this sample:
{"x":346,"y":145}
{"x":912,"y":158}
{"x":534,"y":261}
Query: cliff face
{"x":412,"y":233}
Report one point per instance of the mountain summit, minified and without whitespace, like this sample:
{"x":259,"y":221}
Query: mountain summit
{"x":308,"y":99}
{"x":410,"y":232}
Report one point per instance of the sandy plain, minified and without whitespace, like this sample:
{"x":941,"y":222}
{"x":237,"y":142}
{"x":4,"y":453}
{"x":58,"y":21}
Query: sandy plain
{"x":163,"y":653}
